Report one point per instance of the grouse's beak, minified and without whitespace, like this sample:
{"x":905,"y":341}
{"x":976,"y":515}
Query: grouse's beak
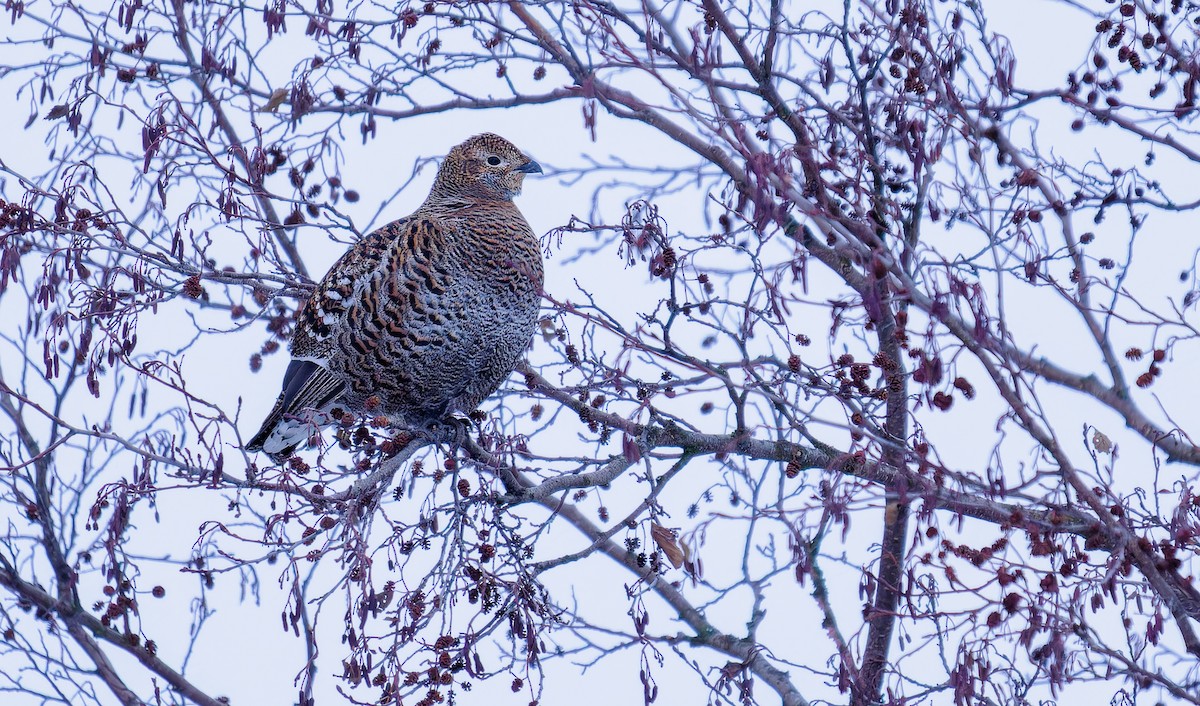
{"x":530,"y":167}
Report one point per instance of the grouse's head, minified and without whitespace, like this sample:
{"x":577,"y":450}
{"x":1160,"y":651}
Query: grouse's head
{"x":486,"y":166}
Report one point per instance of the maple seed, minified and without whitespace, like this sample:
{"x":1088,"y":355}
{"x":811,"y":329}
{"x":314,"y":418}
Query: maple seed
{"x":668,"y":542}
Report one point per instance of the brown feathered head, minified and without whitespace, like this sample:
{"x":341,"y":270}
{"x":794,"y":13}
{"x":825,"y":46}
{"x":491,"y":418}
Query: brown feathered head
{"x":485,"y":167}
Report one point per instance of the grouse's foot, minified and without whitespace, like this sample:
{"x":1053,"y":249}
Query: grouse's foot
{"x":453,"y":429}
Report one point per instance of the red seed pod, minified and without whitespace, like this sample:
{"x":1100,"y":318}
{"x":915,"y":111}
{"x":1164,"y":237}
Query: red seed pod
{"x":668,"y":257}
{"x":192,"y":289}
{"x":962,"y":385}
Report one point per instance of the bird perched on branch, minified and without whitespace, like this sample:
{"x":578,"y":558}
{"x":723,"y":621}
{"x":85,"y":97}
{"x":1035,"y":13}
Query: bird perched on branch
{"x":425,"y":316}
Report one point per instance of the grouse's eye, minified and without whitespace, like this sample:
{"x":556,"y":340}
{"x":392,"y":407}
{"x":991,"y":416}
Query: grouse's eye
{"x":493,"y":160}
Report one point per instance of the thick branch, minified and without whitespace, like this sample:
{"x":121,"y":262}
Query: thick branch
{"x":86,"y":624}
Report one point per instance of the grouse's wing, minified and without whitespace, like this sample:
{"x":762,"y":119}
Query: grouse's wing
{"x":364,"y":296}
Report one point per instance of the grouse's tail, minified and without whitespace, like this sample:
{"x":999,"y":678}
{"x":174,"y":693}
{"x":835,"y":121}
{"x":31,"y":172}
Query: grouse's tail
{"x":260,"y":437}
{"x":273,"y":440}
{"x":309,"y":390}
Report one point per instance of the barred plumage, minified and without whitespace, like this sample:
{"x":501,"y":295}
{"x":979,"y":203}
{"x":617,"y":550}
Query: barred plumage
{"x":428,"y":314}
